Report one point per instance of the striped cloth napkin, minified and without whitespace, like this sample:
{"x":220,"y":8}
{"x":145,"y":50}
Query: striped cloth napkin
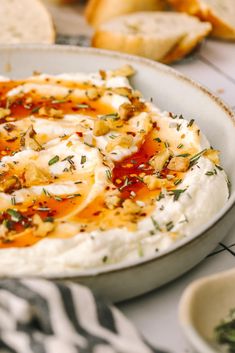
{"x":41,"y":316}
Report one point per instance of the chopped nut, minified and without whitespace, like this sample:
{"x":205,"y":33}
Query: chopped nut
{"x":113,"y":200}
{"x":100,"y":128}
{"x":51,"y":112}
{"x":123,"y":91}
{"x":42,"y":228}
{"x":126,"y":111}
{"x":3,"y":231}
{"x":212,"y":155}
{"x":179,"y":164}
{"x":159,"y":160}
{"x":153,"y":182}
{"x":126,"y":70}
{"x":9,"y":127}
{"x":4,"y":113}
{"x":28,"y":140}
{"x":121,"y":140}
{"x":103,"y":74}
{"x":93,"y":93}
{"x":11,"y":184}
{"x":131,"y":207}
{"x":28,"y":100}
{"x":35,"y":176}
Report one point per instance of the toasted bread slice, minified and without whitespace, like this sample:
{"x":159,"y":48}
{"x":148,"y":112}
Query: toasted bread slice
{"x":25,"y":21}
{"x":99,"y":11}
{"x":221,"y":14}
{"x":161,"y":36}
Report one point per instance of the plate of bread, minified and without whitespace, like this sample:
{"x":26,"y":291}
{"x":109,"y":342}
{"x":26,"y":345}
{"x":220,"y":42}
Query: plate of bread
{"x":161,"y":30}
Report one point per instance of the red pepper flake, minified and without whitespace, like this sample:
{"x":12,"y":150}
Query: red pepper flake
{"x":131,"y":133}
{"x":80,"y":134}
{"x":97,"y":213}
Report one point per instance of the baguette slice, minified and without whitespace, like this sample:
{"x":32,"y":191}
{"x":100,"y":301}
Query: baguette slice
{"x":99,"y":11}
{"x":221,"y":14}
{"x":161,"y":36}
{"x":25,"y":21}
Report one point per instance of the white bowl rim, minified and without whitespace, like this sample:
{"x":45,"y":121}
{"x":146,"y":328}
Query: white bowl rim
{"x":132,"y":59}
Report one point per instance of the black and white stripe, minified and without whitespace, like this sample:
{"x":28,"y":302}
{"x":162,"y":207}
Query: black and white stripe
{"x":40,"y":316}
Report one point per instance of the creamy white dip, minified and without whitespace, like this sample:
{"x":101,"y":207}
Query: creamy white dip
{"x":173,"y":216}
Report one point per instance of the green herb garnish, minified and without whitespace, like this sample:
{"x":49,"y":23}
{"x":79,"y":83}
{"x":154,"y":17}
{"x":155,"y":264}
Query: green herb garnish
{"x":35,"y":110}
{"x":113,"y":116}
{"x":176,"y":193}
{"x":225,"y":332}
{"x":15,"y":215}
{"x":191,"y":122}
{"x":83,"y":106}
{"x":183,"y":155}
{"x":53,"y":160}
{"x":195,"y":158}
{"x":83,"y":159}
{"x":156,"y":225}
{"x":169,"y":226}
{"x":108,"y":174}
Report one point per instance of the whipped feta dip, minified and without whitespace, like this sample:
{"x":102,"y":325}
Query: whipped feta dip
{"x":92,"y":174}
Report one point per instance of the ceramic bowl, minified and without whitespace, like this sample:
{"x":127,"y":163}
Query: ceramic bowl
{"x":171,"y":91}
{"x":204,"y":304}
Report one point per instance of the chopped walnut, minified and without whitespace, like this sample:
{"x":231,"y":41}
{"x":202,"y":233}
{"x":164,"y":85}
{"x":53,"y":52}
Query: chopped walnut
{"x":93,"y":93}
{"x":3,"y":231}
{"x":29,"y":140}
{"x":35,"y":176}
{"x":131,"y":207}
{"x":122,"y":91}
{"x":159,"y":160}
{"x":4,"y":113}
{"x":103,"y":74}
{"x":153,"y":182}
{"x":212,"y":155}
{"x":10,"y":184}
{"x":101,"y":127}
{"x":126,"y":111}
{"x":42,"y":229}
{"x":126,"y":70}
{"x":179,"y":164}
{"x":29,"y":100}
{"x":51,"y":112}
{"x":122,"y":140}
{"x":113,"y":199}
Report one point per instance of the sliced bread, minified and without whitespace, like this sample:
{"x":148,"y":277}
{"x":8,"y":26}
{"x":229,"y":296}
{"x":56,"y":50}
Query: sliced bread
{"x":25,"y":21}
{"x":99,"y":11}
{"x":221,"y":14}
{"x":161,"y":36}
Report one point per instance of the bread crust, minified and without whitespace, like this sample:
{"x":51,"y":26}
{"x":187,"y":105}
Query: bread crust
{"x":99,"y":11}
{"x":166,"y":50}
{"x":220,"y":28}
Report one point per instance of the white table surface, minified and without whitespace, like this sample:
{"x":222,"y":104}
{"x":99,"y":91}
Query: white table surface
{"x":156,"y":314}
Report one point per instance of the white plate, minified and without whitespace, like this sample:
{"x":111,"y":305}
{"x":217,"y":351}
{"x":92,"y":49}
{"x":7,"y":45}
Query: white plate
{"x":171,"y":91}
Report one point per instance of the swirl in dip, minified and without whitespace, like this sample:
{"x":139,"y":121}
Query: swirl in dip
{"x":92,"y":174}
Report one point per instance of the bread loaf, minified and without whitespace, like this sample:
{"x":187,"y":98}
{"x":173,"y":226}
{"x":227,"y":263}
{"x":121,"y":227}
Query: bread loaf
{"x":221,"y":14}
{"x":161,"y":36}
{"x":25,"y":21}
{"x":99,"y":11}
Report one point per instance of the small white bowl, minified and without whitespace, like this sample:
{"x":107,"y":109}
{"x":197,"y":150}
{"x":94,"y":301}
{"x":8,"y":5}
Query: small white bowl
{"x":203,"y":305}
